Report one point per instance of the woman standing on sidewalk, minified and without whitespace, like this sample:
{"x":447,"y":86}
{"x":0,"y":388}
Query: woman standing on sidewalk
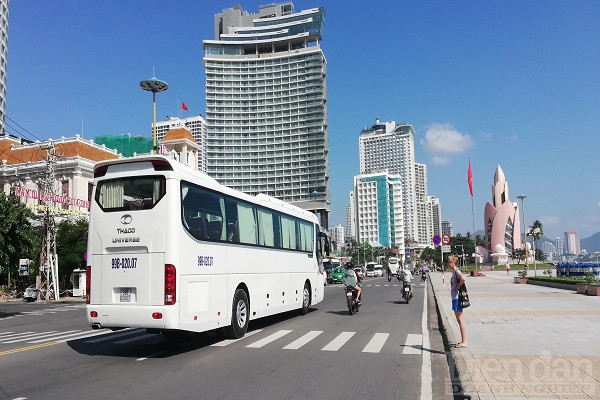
{"x":456,"y":282}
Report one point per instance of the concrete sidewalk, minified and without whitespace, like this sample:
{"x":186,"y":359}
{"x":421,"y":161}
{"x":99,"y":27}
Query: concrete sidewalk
{"x":524,"y":341}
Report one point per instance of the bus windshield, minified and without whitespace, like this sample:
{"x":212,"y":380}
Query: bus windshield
{"x":131,"y":193}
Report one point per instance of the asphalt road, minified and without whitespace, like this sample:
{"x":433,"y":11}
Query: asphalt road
{"x":46,"y":353}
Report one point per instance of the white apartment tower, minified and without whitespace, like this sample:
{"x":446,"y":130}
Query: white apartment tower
{"x":388,"y":147}
{"x":349,"y":234}
{"x":337,"y":238}
{"x":196,"y":125}
{"x":266,"y":104}
{"x":434,"y":215}
{"x":447,"y":228}
{"x":377,"y":201}
{"x":3,"y":56}
{"x":424,"y":227}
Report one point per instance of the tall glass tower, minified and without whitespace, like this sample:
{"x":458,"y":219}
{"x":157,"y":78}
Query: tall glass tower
{"x":266,"y":98}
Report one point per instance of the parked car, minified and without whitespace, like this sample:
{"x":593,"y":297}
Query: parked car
{"x":30,"y":293}
{"x":359,"y":272}
{"x":378,"y":271}
{"x":337,"y":275}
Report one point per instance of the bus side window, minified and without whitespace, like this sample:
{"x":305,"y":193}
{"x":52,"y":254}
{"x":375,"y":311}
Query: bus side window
{"x":198,"y":228}
{"x":215,"y":230}
{"x":232,"y":233}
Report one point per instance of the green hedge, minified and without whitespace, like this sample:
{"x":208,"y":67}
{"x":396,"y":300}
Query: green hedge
{"x":569,"y":281}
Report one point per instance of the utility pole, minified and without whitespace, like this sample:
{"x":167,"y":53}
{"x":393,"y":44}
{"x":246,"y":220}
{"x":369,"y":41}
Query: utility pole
{"x":48,"y":275}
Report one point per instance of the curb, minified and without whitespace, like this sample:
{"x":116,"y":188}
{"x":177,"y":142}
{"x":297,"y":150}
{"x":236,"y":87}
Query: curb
{"x":462,"y":383}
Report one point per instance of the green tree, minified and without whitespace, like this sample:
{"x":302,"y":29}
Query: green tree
{"x":431,"y":254}
{"x":71,"y":243}
{"x":361,"y":252}
{"x":18,"y":238}
{"x":518,"y":254}
{"x":540,"y":255}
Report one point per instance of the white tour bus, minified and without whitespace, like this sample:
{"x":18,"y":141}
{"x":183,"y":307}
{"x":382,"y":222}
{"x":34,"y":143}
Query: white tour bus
{"x":171,"y":249}
{"x":394,"y":265}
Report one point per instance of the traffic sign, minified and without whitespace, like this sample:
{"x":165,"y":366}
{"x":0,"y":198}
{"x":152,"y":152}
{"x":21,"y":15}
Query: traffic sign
{"x":446,"y":248}
{"x":437,"y":239}
{"x":445,"y":238}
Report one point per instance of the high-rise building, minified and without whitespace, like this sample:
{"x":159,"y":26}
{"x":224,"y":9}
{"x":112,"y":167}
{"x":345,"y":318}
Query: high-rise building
{"x":348,"y":231}
{"x":424,"y":227}
{"x":560,"y":245}
{"x":550,"y":250}
{"x":434,"y":215}
{"x":337,"y":238}
{"x":572,"y":242}
{"x":377,"y":201}
{"x":447,"y":228}
{"x":388,"y":147}
{"x":3,"y":55}
{"x":197,"y":127}
{"x":266,"y":104}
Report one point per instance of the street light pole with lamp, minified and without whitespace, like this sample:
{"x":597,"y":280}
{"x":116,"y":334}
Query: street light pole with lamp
{"x":522,"y":197}
{"x":154,"y":85}
{"x":315,"y":194}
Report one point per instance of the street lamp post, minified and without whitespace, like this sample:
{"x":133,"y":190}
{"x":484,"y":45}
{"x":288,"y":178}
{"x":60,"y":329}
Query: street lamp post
{"x":533,"y":234}
{"x":154,"y":85}
{"x":315,"y":194}
{"x":522,"y":197}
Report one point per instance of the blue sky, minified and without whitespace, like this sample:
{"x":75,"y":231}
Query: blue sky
{"x":508,"y":83}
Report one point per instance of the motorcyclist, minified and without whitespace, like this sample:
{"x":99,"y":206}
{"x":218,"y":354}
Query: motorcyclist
{"x":406,"y":277}
{"x":423,"y":272}
{"x":351,"y":280}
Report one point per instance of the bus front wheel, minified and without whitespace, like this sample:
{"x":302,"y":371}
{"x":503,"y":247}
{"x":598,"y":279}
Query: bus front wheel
{"x":239,"y":316}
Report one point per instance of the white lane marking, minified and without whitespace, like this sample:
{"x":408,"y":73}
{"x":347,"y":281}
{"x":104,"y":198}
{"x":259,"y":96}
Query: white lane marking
{"x":54,"y":336}
{"x":339,"y":341}
{"x":5,"y":333}
{"x":14,"y":335}
{"x":426,"y":375}
{"x":84,"y":335}
{"x":229,"y":341}
{"x":128,"y":332}
{"x":143,"y":336}
{"x":269,"y":339}
{"x":296,"y":344}
{"x":148,"y":356}
{"x":29,"y":336}
{"x":20,"y":398}
{"x":413,"y":344}
{"x":376,"y":343}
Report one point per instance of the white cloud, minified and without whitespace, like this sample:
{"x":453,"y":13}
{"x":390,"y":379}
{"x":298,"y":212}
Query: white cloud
{"x":442,"y":141}
{"x":549,"y":220}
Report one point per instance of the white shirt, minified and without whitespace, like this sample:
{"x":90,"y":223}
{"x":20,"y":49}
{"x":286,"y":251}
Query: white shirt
{"x":406,"y":276}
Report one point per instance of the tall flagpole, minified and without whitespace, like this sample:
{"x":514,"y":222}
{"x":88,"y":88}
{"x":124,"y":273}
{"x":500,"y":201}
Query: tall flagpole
{"x":470,"y":181}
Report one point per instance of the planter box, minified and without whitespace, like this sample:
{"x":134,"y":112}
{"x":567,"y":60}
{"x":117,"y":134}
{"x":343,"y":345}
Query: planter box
{"x":520,"y":280}
{"x":564,"y":286}
{"x":593,"y":290}
{"x":582,"y":288}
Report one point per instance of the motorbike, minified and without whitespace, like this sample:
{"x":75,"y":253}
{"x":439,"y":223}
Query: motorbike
{"x":353,"y":304}
{"x":406,"y":292}
{"x":423,"y":276}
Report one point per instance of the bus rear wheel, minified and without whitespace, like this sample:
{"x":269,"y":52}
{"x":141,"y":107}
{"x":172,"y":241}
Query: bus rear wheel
{"x":305,"y":299}
{"x":239,"y":316}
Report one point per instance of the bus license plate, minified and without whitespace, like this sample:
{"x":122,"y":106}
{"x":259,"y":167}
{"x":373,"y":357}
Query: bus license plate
{"x":125,"y":295}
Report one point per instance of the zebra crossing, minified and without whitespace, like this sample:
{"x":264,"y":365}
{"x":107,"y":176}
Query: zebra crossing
{"x":411,"y":344}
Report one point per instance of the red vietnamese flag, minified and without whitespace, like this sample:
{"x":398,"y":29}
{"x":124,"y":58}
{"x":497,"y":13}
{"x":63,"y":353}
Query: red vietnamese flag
{"x":470,"y":178}
{"x":183,"y":106}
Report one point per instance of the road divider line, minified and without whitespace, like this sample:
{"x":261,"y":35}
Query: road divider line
{"x":426,"y":374}
{"x":55,"y":336}
{"x":15,"y":335}
{"x":376,"y":343}
{"x":128,"y":332}
{"x":338,"y":342}
{"x":269,"y":339}
{"x":37,"y":346}
{"x":296,"y":344}
{"x":29,"y":336}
